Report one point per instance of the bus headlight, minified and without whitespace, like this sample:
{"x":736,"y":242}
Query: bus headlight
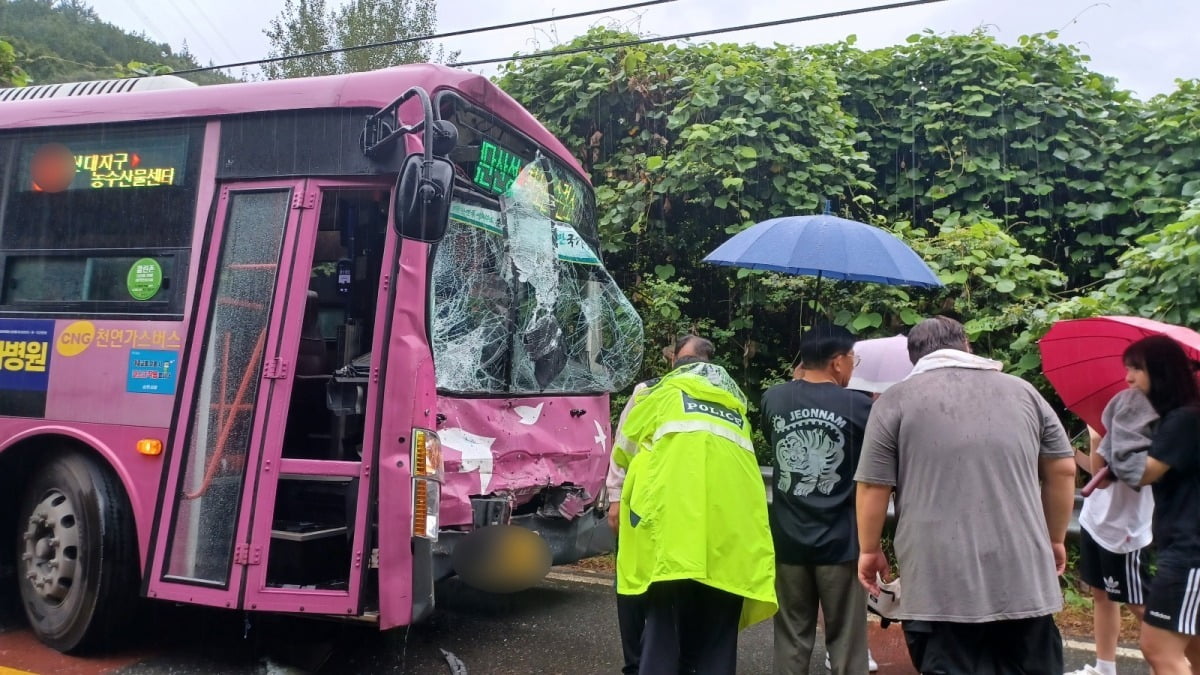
{"x":427,"y":472}
{"x":427,"y":497}
{"x":427,"y":455}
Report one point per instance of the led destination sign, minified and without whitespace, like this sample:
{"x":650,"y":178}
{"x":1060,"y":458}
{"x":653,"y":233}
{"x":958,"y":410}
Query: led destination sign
{"x":497,"y":167}
{"x":98,"y":164}
{"x":544,"y":186}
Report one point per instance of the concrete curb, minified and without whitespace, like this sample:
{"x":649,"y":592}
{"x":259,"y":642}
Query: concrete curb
{"x":598,"y":578}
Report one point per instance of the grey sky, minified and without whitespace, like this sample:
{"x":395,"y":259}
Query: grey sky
{"x":1145,"y":44}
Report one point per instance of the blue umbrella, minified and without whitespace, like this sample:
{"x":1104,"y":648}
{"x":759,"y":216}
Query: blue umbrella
{"x":826,"y":246}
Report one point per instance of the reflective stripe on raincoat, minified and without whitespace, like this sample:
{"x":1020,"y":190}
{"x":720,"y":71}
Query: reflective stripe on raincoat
{"x":693,"y":506}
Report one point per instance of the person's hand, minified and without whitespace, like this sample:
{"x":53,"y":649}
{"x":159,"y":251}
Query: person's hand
{"x":614,"y":516}
{"x":1060,"y":557}
{"x":1102,"y":479}
{"x":871,"y":567}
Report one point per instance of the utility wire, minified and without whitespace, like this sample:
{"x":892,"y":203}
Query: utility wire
{"x":695,"y":34}
{"x":184,"y":17}
{"x":217,"y":31}
{"x":576,"y":50}
{"x":158,"y":34}
{"x":423,"y":38}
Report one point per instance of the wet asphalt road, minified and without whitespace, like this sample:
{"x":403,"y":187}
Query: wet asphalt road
{"x":567,"y":625}
{"x":561,"y":627}
{"x":554,"y":628}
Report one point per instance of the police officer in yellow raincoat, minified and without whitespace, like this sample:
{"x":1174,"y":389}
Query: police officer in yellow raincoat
{"x":694,"y":532}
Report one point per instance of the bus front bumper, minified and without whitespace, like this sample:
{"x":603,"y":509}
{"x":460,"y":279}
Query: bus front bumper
{"x":505,"y":545}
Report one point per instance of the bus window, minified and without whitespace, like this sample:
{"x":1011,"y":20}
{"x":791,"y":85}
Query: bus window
{"x":522,"y":303}
{"x":472,"y":302}
{"x":521,"y":300}
{"x":577,"y":332}
{"x":43,"y":279}
{"x":99,"y":221}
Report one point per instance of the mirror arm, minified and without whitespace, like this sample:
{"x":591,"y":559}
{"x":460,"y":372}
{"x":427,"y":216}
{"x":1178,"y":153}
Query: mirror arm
{"x":426,"y":181}
{"x":379,"y":135}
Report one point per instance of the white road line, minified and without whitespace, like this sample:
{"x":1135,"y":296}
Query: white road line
{"x":579,"y":578}
{"x":1124,"y":652}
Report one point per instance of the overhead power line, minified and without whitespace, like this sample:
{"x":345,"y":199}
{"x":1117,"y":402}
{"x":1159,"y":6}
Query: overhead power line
{"x":574,"y":50}
{"x":216,"y":31}
{"x":695,"y":34}
{"x":158,"y":34}
{"x":423,"y":38}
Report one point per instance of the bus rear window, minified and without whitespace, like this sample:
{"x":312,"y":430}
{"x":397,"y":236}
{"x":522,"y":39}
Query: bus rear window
{"x":83,"y":206}
{"x":108,"y":278}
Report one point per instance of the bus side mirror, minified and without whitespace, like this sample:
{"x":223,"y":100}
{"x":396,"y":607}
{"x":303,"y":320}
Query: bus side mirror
{"x":423,"y":201}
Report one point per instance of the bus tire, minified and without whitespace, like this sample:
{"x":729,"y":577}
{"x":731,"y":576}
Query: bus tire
{"x":76,"y":554}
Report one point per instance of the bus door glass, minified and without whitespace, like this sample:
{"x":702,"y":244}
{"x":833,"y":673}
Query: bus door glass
{"x":197,"y":555}
{"x":265,"y":488}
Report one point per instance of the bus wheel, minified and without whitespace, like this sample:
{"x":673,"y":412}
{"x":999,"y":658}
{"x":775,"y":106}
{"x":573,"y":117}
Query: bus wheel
{"x":76,"y":558}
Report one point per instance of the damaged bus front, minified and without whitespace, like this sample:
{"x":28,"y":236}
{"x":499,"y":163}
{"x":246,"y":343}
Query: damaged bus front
{"x":529,"y":334}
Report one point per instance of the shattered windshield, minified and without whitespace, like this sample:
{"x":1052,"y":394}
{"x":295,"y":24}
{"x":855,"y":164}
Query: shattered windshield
{"x":522,"y":302}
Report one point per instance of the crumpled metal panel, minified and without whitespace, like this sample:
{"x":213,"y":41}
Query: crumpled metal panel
{"x":519,"y":447}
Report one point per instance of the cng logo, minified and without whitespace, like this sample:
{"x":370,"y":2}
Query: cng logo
{"x":75,"y":339}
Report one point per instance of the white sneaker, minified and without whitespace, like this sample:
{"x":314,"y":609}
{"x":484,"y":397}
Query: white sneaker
{"x":871,"y":665}
{"x":1086,"y":670}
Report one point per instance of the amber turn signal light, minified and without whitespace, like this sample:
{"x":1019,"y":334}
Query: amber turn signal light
{"x":151,"y":447}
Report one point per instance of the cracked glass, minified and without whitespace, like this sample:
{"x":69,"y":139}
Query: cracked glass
{"x":521,"y":300}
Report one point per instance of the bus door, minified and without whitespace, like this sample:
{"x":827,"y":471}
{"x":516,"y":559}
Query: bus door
{"x":266,"y":500}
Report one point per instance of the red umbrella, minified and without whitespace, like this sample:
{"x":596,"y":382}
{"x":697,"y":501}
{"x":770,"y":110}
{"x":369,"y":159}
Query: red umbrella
{"x":1082,"y":358}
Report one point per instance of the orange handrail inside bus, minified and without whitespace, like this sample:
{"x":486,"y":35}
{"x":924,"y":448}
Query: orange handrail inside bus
{"x":222,"y":407}
{"x":243,"y":304}
{"x":225,"y":429}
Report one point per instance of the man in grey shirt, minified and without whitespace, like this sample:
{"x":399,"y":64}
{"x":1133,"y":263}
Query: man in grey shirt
{"x":984,"y":480}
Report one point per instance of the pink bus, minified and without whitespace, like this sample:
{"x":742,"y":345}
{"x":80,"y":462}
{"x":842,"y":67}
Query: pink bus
{"x":300,"y":346}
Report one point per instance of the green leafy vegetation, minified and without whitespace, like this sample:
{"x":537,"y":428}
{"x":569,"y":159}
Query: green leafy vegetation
{"x":11,"y":73}
{"x":1035,"y":188}
{"x":310,"y":26}
{"x":66,"y":41}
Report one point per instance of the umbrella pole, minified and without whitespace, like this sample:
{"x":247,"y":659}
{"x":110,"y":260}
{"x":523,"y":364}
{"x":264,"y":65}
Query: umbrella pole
{"x":816,"y":298}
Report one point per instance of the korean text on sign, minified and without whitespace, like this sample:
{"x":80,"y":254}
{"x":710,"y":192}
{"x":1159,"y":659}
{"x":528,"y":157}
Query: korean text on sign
{"x":23,"y":356}
{"x":115,"y":169}
{"x":129,"y":338}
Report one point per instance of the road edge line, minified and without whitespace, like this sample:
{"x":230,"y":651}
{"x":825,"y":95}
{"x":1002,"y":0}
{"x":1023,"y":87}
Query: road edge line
{"x":1125,"y":652}
{"x":579,"y":578}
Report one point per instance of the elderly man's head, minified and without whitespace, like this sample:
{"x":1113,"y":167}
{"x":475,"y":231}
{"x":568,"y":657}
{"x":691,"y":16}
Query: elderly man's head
{"x":692,"y":349}
{"x":939,"y":332}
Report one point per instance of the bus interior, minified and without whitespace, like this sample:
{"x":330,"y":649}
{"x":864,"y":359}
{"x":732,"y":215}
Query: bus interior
{"x":314,"y":514}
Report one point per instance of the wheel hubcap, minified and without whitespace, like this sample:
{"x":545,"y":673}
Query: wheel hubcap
{"x":51,"y":547}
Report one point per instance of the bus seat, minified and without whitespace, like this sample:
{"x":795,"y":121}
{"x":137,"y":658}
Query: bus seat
{"x":313,"y":355}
